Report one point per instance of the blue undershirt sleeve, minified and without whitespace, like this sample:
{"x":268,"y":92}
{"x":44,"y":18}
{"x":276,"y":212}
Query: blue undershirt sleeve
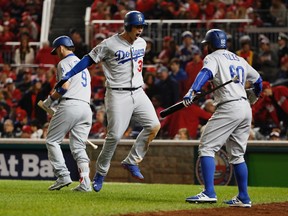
{"x":85,"y":62}
{"x":203,"y":76}
{"x":258,"y":86}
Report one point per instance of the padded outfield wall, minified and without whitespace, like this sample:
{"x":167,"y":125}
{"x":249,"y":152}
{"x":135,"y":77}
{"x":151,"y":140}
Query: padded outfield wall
{"x":167,"y":161}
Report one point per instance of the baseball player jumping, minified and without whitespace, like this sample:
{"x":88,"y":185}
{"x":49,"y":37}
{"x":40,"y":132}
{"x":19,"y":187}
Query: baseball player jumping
{"x":73,"y":115}
{"x":122,"y":56}
{"x":230,"y":124}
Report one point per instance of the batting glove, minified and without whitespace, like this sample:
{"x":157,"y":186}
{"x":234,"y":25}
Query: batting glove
{"x":188,"y":98}
{"x":47,"y":103}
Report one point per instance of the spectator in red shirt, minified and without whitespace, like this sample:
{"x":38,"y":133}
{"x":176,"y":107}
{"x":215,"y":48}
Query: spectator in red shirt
{"x":43,"y":56}
{"x":184,"y":119}
{"x":192,"y":69}
{"x":271,"y":110}
{"x":13,"y":94}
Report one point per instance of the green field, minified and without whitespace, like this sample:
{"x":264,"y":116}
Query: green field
{"x":18,"y":197}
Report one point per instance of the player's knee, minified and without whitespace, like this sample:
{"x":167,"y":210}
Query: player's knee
{"x":236,"y":159}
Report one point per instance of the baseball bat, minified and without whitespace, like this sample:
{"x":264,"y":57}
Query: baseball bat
{"x":181,"y":105}
{"x":92,"y":144}
{"x":47,"y":109}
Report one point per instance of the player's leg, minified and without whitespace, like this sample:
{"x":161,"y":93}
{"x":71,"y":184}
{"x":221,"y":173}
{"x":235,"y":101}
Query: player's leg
{"x":144,"y":113}
{"x":215,"y":134}
{"x":56,"y":133}
{"x":119,"y":107}
{"x":236,"y":147}
{"x":78,"y":137}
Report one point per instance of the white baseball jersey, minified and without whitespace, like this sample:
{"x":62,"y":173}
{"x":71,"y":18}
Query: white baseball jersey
{"x":79,"y":84}
{"x":116,"y":54}
{"x":225,"y":65}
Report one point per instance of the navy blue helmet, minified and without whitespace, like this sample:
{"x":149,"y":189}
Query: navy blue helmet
{"x":133,"y":18}
{"x":217,"y":38}
{"x":62,"y":40}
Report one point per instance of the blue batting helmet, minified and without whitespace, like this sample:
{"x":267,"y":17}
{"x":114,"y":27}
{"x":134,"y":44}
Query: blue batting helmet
{"x":217,"y":38}
{"x":62,"y":40}
{"x":133,"y":18}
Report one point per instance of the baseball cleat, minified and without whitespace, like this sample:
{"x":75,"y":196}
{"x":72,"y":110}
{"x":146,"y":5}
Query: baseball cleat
{"x":60,"y":183}
{"x":134,"y":170}
{"x":82,"y":188}
{"x":201,"y":198}
{"x":236,"y":202}
{"x":98,"y":182}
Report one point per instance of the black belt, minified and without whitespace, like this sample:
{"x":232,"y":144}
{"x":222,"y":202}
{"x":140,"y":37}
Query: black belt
{"x":71,"y":99}
{"x":126,"y":89}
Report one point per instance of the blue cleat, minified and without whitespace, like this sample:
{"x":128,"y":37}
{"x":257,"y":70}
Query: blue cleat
{"x":97,"y":182}
{"x":134,"y":170}
{"x":236,"y":202}
{"x":202,"y":198}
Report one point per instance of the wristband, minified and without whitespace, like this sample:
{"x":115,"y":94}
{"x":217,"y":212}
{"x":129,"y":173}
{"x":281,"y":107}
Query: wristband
{"x":61,"y":91}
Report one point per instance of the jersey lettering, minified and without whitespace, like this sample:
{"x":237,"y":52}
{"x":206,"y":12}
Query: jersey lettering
{"x":123,"y":57}
{"x":231,"y":57}
{"x":84,"y":78}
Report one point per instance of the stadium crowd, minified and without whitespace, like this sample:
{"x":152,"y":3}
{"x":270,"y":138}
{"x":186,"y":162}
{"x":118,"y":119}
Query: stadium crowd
{"x":168,"y":74}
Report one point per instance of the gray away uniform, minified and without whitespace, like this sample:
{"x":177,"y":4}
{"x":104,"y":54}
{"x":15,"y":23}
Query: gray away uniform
{"x":122,"y":64}
{"x":73,"y":115}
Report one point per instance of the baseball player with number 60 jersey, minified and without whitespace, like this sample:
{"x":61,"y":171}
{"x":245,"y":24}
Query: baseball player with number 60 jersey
{"x":122,"y":59}
{"x":231,"y":122}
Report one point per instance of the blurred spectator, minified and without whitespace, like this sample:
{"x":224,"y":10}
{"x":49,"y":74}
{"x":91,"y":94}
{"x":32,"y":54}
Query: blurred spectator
{"x":166,"y":87}
{"x":150,"y":54}
{"x":26,"y":131}
{"x":24,"y":54}
{"x":187,"y":49}
{"x":43,"y":56}
{"x":13,"y":94}
{"x":30,"y":99}
{"x":25,"y":77}
{"x":275,"y":134}
{"x":98,"y":38}
{"x":230,"y":45}
{"x":149,"y":84}
{"x":16,"y":8}
{"x":283,"y":73}
{"x":8,"y":129}
{"x":246,"y":51}
{"x":184,"y":119}
{"x":45,"y":130}
{"x":176,"y":71}
{"x":278,"y":11}
{"x":267,"y":60}
{"x":7,"y":69}
{"x":31,"y":25}
{"x":192,"y":69}
{"x":21,"y":119}
{"x":283,"y":46}
{"x":209,"y":106}
{"x":183,"y":134}
{"x":36,"y":129}
{"x":169,"y":51}
{"x":146,"y":7}
{"x":271,"y":110}
{"x":81,"y":48}
{"x":98,"y":129}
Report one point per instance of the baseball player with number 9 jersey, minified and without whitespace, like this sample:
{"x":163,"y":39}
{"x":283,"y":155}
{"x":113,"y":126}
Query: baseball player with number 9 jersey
{"x":231,"y":122}
{"x":122,"y":59}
